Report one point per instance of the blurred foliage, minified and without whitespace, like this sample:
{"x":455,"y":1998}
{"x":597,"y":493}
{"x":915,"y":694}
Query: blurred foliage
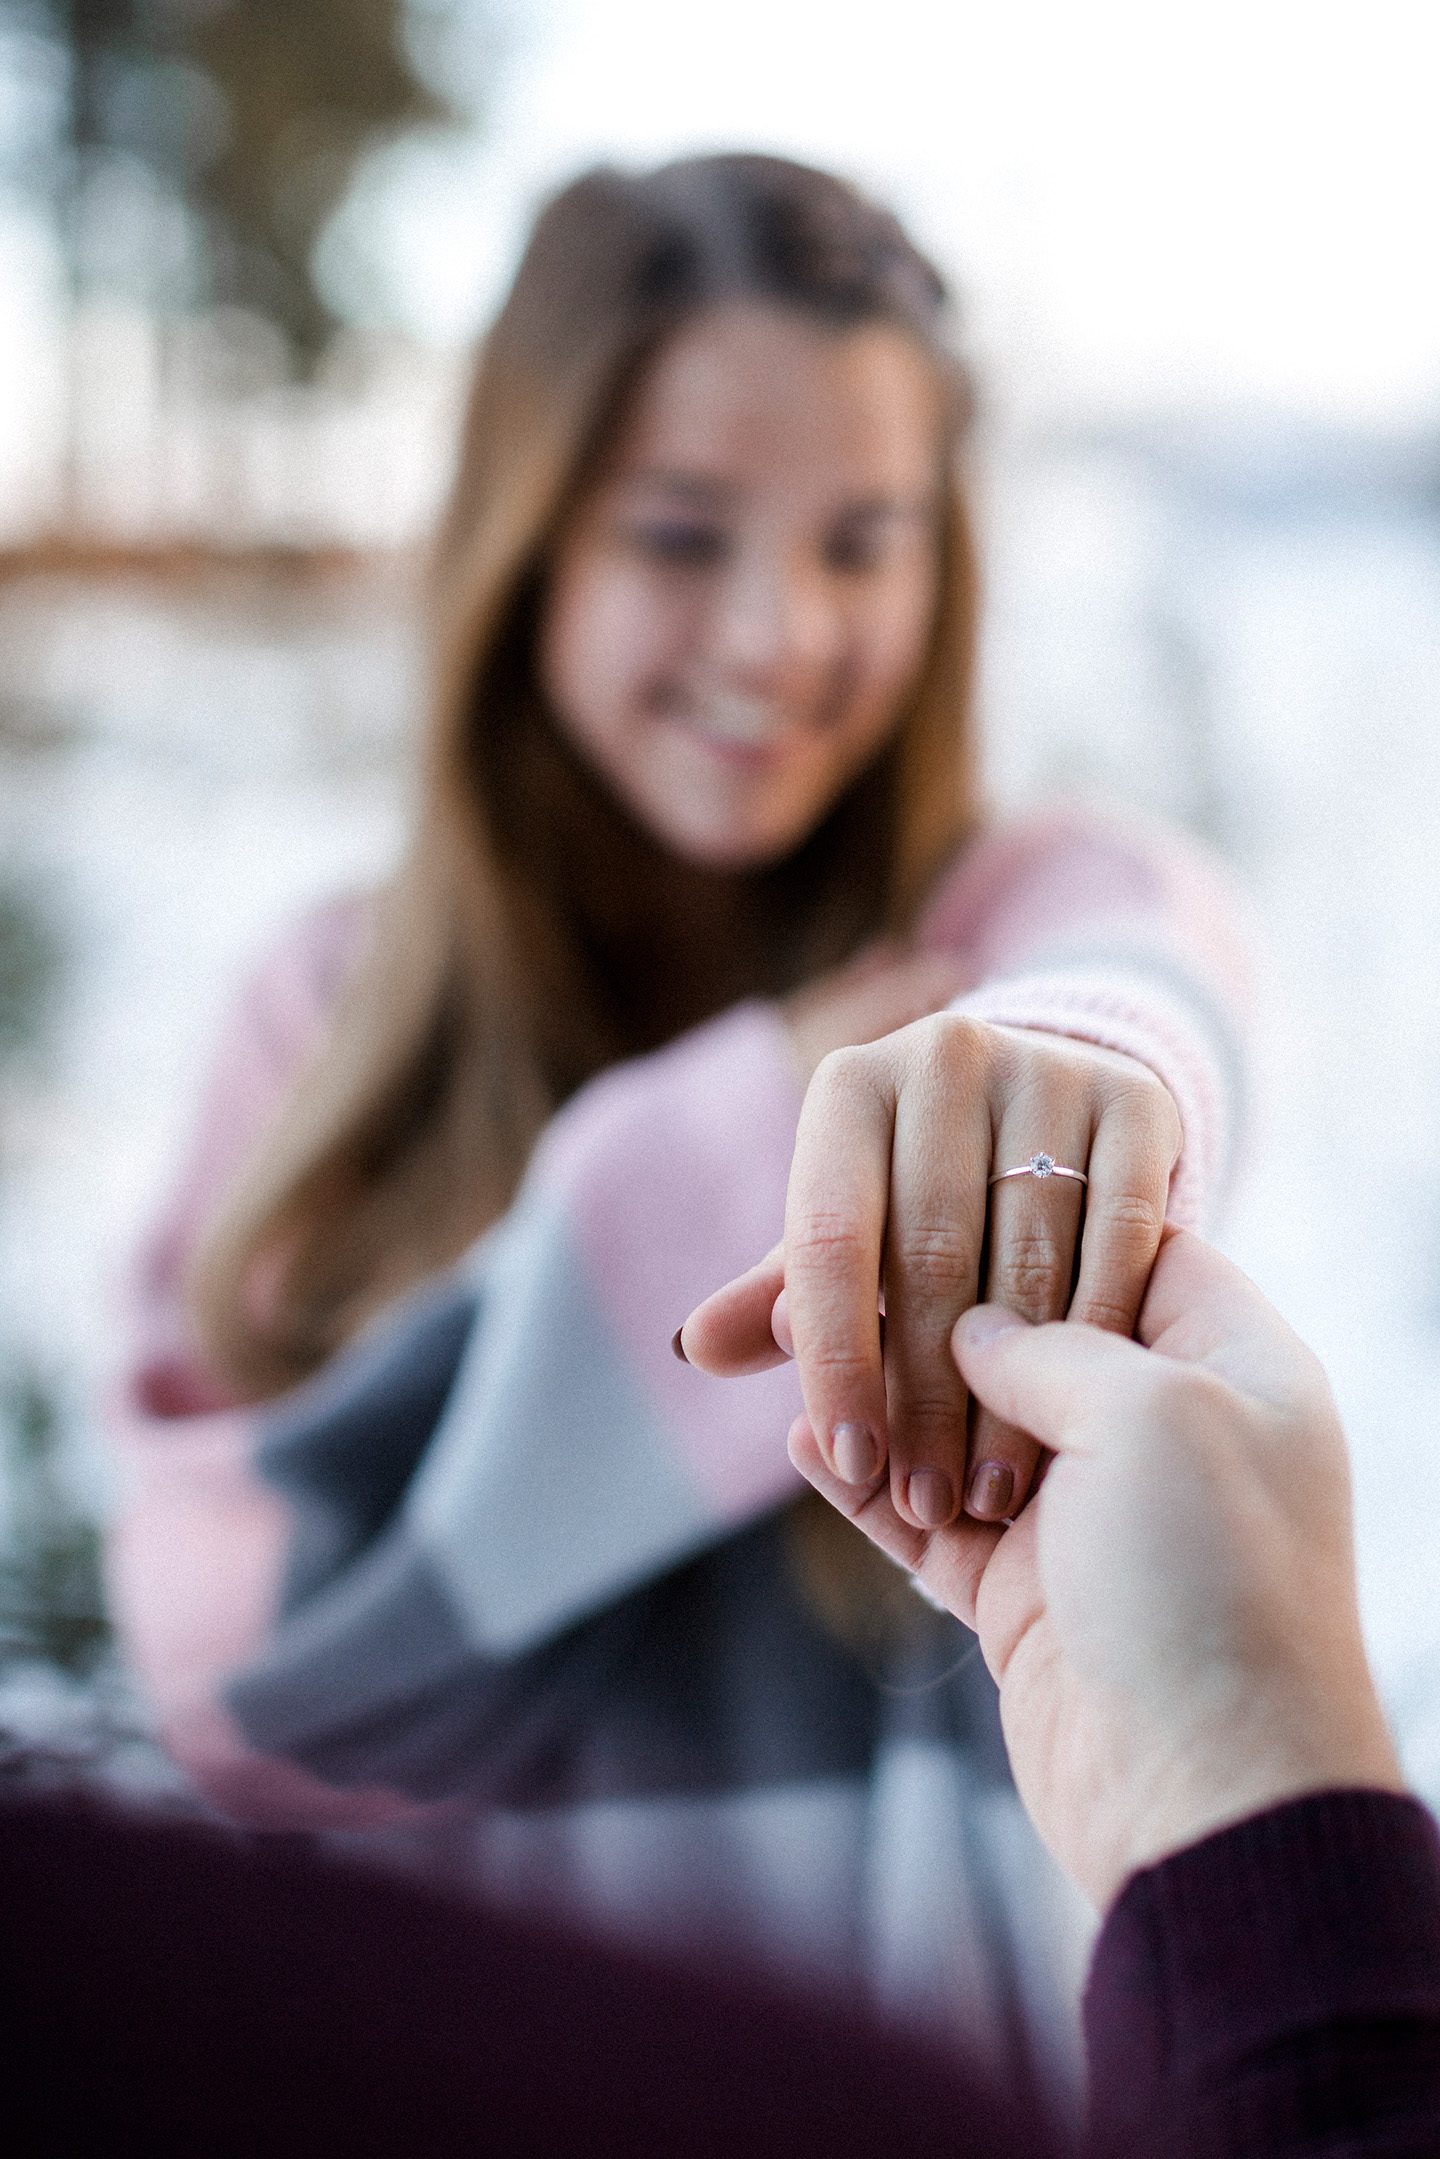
{"x":52,"y":1607}
{"x":251,"y":115}
{"x":31,"y":964}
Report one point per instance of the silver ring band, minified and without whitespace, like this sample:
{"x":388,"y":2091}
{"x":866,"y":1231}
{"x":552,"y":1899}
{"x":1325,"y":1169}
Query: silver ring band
{"x":1041,"y":1165}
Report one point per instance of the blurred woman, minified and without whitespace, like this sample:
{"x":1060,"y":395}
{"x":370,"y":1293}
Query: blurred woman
{"x":426,"y":1523}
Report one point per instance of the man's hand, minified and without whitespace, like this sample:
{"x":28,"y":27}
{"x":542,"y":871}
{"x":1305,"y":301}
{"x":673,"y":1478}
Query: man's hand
{"x":1172,"y":1621}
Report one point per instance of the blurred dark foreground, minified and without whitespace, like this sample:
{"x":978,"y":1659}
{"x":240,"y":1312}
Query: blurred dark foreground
{"x":169,"y":1989}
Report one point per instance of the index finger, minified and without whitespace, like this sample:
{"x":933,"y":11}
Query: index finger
{"x":835,"y":1216}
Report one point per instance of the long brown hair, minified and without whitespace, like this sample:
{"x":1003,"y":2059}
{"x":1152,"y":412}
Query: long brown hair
{"x":520,"y":947}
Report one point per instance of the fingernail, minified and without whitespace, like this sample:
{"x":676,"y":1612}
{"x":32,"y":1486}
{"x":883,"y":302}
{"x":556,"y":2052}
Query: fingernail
{"x":855,"y":1454}
{"x":991,"y":1490}
{"x":986,"y":1323}
{"x":678,"y":1346}
{"x":931,"y":1496}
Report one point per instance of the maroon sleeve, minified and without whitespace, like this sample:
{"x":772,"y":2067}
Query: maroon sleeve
{"x":1274,"y":1992}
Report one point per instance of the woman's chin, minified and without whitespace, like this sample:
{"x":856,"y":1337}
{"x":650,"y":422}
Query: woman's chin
{"x":728,"y":851}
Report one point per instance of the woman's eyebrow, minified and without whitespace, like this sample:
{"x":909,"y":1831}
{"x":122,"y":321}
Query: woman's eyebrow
{"x":921,"y":505}
{"x":697,"y":489}
{"x":707,"y":492}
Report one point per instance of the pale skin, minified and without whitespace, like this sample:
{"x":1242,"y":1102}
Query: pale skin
{"x":735,"y":614}
{"x":901,"y":1215}
{"x":739,"y":605}
{"x":1172,"y":1621}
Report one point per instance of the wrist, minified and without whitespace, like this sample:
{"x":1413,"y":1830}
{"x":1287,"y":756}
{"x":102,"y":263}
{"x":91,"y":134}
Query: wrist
{"x":1237,"y":1774}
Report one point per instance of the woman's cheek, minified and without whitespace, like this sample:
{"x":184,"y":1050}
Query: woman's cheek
{"x":644,"y":627}
{"x":889,"y":645}
{"x":608,"y":635}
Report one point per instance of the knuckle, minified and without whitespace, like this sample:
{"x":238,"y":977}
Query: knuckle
{"x":1132,"y":1222}
{"x":1134,"y":1210}
{"x":843,"y":1366}
{"x":925,"y":1415}
{"x":845,"y":1071}
{"x":1032,"y":1274}
{"x":819,"y":1238}
{"x":1030,"y":1062}
{"x":1108,"y":1310}
{"x":821,"y":1231}
{"x":959,"y":1047}
{"x":933,"y":1260}
{"x":1034,"y":1251}
{"x":1030,"y":1289}
{"x":1144,"y":1097}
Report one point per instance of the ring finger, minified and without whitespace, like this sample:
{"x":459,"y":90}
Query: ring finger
{"x":1035,"y":1223}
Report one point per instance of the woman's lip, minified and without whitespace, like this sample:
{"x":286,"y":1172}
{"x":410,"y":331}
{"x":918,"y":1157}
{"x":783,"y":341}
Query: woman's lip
{"x":751,"y":753}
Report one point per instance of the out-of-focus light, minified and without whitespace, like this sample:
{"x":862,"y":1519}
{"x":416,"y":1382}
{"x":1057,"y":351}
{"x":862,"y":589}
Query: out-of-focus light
{"x":1147,"y":204}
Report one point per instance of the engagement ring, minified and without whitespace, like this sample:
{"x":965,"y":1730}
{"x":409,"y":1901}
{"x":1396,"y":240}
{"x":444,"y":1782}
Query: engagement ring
{"x":1041,"y":1165}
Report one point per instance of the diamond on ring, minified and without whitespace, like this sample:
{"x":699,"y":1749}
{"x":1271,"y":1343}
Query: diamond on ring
{"x":1040,"y":1165}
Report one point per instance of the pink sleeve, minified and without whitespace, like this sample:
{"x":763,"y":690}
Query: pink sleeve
{"x":1113,"y":930}
{"x":275,"y":1025}
{"x":194,"y":1554}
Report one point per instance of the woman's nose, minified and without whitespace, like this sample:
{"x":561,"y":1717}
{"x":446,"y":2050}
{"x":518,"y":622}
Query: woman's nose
{"x":777,"y":623}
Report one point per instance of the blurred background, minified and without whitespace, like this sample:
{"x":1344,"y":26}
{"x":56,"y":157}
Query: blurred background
{"x":245,"y":246}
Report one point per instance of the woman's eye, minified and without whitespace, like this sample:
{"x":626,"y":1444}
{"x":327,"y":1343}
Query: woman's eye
{"x":687,"y":545}
{"x":855,"y":550}
{"x":873,"y":542}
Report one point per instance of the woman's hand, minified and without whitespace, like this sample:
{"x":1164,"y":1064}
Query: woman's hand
{"x":882,"y":988}
{"x":890,"y":1203}
{"x":1173,"y":1623}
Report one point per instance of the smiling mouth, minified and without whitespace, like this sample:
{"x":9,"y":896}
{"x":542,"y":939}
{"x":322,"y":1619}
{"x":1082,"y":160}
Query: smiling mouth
{"x":737,"y":726}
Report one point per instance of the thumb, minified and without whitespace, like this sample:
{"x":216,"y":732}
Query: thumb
{"x":732,"y":1333}
{"x":1052,"y":1380}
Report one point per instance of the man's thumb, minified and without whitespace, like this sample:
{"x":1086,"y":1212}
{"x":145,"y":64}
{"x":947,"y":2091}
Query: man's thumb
{"x":1045,"y":1380}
